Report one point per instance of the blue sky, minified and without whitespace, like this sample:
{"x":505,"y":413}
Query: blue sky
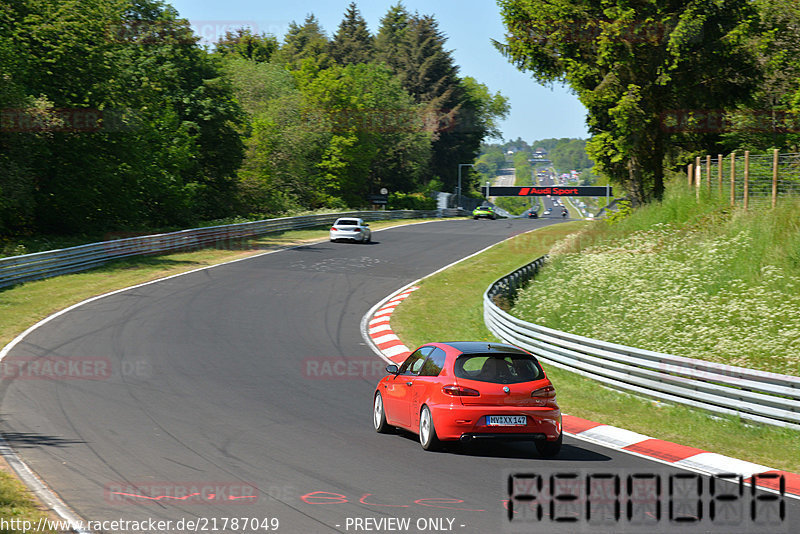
{"x":537,"y":112}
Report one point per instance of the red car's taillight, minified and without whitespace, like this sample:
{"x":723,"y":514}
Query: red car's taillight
{"x":460,"y":391}
{"x":547,"y":392}
{"x":334,"y":229}
{"x":545,"y":396}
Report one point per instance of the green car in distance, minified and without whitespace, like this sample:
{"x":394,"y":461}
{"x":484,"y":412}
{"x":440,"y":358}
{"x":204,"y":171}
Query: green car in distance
{"x":484,"y":211}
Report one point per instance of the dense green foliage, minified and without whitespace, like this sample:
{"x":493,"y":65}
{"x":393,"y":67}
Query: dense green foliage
{"x":112,"y":118}
{"x":115,"y":119}
{"x":665,"y":79}
{"x":772,"y":118}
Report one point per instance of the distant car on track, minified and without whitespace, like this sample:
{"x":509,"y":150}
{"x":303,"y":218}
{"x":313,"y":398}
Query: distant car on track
{"x":351,"y":229}
{"x":547,"y":211}
{"x":463,"y":391}
{"x":484,"y":211}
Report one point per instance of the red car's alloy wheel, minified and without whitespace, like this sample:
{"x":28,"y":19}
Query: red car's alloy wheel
{"x":427,"y":432}
{"x":379,"y":416}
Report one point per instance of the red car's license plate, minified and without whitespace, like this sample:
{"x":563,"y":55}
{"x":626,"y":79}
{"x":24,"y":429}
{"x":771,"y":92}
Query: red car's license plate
{"x":506,"y":420}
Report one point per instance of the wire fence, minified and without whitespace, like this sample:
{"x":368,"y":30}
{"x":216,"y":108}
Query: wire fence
{"x":747,"y":179}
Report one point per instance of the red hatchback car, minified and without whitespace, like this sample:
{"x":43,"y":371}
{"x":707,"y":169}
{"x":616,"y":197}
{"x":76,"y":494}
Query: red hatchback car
{"x":467,"y":391}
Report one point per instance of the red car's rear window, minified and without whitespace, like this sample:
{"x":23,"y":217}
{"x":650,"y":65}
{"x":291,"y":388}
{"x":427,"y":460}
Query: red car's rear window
{"x":498,"y":368}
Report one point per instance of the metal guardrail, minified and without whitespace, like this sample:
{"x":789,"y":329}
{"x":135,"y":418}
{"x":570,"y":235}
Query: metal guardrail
{"x":17,"y":269}
{"x":754,"y":395}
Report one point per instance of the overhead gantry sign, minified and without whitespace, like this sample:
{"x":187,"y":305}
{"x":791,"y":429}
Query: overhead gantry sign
{"x":550,"y":190}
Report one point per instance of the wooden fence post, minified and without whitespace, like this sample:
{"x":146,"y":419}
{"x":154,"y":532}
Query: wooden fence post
{"x":689,"y":174}
{"x":698,"y":173}
{"x":775,"y":178}
{"x":708,"y":172}
{"x":719,"y":178}
{"x":733,"y":178}
{"x":746,"y":200}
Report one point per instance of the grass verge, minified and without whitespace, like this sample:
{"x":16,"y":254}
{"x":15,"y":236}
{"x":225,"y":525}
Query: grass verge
{"x":23,"y":305}
{"x":449,"y":307}
{"x":682,"y":277}
{"x":17,"y":503}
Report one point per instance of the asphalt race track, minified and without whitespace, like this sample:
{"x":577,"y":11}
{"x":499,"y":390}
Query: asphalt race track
{"x":244,"y":391}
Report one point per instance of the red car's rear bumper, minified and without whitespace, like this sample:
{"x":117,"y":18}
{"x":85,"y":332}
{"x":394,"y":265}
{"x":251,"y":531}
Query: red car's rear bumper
{"x":469,"y":422}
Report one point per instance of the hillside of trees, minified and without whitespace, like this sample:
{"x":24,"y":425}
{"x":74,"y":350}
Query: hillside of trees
{"x":115,"y":118}
{"x":566,"y":154}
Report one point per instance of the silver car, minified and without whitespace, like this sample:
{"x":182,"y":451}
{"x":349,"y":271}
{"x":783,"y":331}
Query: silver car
{"x":352,"y":229}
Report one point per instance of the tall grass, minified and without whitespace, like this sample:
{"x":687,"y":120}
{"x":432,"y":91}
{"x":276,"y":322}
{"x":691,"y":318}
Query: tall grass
{"x":686,"y":277}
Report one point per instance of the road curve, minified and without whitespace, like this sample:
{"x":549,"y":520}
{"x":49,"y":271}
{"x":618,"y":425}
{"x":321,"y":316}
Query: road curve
{"x":245,"y":391}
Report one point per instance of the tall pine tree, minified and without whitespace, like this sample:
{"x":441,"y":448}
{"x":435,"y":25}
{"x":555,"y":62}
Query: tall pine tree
{"x":352,"y":43}
{"x":430,"y":75}
{"x":304,"y":43}
{"x":458,"y":116}
{"x":391,"y":40}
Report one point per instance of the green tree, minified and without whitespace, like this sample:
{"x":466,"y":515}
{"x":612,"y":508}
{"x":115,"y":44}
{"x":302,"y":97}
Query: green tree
{"x":476,"y":120}
{"x":570,"y":155}
{"x":430,"y":75}
{"x":244,"y":43}
{"x":772,"y":119}
{"x":489,"y":163}
{"x":378,"y":135}
{"x":19,"y":150}
{"x":306,"y":44}
{"x":391,"y":41}
{"x":483,"y":109}
{"x":459,"y":112}
{"x":632,"y":63}
{"x":352,"y":43}
{"x":284,"y":143}
{"x":126,"y":121}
